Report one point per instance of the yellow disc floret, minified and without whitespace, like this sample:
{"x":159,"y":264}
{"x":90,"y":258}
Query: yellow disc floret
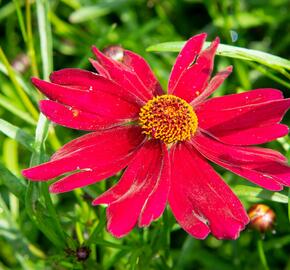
{"x":168,"y":118}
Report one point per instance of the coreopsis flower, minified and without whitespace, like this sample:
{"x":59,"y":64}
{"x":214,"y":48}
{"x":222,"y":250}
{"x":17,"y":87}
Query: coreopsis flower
{"x":164,"y":140}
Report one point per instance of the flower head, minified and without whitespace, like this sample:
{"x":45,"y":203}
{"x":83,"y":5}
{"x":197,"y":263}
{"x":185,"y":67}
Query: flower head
{"x":163,"y":140}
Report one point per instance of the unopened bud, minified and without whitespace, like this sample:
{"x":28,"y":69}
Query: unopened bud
{"x":262,"y":217}
{"x":82,"y":253}
{"x":114,"y":52}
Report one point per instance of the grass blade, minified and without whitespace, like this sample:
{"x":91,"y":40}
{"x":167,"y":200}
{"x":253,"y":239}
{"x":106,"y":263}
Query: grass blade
{"x":17,"y":134}
{"x":272,"y":61}
{"x":260,"y":193}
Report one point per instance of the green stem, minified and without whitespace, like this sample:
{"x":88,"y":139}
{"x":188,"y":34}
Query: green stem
{"x":20,"y":20}
{"x":29,"y":43}
{"x":34,"y":207}
{"x":262,"y":254}
{"x":289,"y":204}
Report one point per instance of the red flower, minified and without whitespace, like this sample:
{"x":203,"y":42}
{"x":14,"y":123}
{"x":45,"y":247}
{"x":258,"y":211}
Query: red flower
{"x":164,"y":140}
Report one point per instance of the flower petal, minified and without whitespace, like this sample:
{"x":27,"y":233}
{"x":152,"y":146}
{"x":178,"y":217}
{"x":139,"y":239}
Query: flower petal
{"x":138,"y":65}
{"x":81,"y":179}
{"x":251,"y":122}
{"x":123,"y":75}
{"x":104,"y":152}
{"x":74,"y":77}
{"x":100,"y":69}
{"x":253,"y":135}
{"x":75,"y":118}
{"x":131,"y":194}
{"x":200,"y":200}
{"x":185,"y":58}
{"x":242,"y":99}
{"x":263,"y":167}
{"x":90,"y":81}
{"x":194,"y":80}
{"x":157,"y":199}
{"x":100,"y":102}
{"x":214,"y":84}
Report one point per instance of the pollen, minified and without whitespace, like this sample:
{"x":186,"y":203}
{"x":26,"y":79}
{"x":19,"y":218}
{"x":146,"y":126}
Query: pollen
{"x":168,"y":118}
{"x":75,"y":112}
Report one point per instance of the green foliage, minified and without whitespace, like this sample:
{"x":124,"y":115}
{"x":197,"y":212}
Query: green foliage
{"x":43,"y":231}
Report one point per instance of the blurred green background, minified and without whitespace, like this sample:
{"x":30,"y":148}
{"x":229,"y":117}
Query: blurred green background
{"x":39,"y":36}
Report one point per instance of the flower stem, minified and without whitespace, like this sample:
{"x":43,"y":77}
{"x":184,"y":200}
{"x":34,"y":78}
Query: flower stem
{"x":30,"y":45}
{"x":262,"y":254}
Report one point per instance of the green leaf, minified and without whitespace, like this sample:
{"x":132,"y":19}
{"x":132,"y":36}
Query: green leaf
{"x":17,"y":134}
{"x":263,"y":58}
{"x":26,"y":86}
{"x":9,"y":106}
{"x":260,"y":193}
{"x":14,"y":184}
{"x":44,"y":27}
{"x":93,"y":12}
{"x":49,"y":225}
{"x":21,"y":93}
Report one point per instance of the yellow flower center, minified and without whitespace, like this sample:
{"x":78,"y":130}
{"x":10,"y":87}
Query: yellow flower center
{"x":168,"y":118}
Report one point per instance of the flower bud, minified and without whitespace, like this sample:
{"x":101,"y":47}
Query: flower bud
{"x":114,"y":52}
{"x":262,"y":217}
{"x":82,"y":253}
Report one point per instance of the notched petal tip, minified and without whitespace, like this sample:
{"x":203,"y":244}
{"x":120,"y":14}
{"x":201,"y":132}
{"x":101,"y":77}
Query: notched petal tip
{"x":234,"y":235}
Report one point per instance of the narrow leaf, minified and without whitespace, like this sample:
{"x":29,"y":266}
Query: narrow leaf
{"x":256,"y":192}
{"x":15,"y":185}
{"x":17,"y":134}
{"x":266,"y":59}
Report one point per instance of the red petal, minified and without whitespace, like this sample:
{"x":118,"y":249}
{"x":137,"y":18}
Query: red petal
{"x":100,"y":69}
{"x":101,"y":102}
{"x":242,"y":99}
{"x":80,"y":179}
{"x":251,"y":136}
{"x":264,"y":167}
{"x":245,"y":124}
{"x":185,"y":58}
{"x":127,"y":198}
{"x":214,"y":84}
{"x":194,"y":80}
{"x":156,"y":201}
{"x":102,"y":152}
{"x":74,"y":118}
{"x":86,"y":80}
{"x":74,"y":76}
{"x":138,"y":65}
{"x":200,"y":199}
{"x":123,"y":76}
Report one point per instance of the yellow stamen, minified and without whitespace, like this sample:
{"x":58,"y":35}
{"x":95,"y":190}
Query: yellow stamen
{"x":168,"y":118}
